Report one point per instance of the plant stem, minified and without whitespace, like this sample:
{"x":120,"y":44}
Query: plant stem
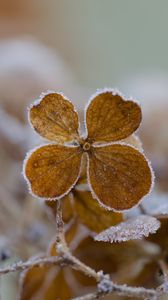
{"x":21,"y":266}
{"x":105,"y":285}
{"x":65,"y":257}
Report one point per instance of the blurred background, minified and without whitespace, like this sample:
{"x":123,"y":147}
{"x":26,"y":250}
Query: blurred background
{"x":76,"y":47}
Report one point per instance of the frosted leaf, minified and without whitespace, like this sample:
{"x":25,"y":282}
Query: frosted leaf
{"x":135,"y":228}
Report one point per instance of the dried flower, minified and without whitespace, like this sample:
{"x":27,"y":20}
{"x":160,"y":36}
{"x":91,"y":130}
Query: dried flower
{"x":117,"y":173}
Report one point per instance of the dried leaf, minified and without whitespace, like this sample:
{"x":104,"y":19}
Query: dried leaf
{"x":148,"y":276}
{"x":92,"y":214}
{"x":81,"y":206}
{"x":119,"y":175}
{"x":45,"y":283}
{"x":52,"y":170}
{"x":110,"y":118}
{"x":160,"y":237}
{"x":131,"y":229}
{"x":112,"y":258}
{"x":48,"y":282}
{"x":54,"y":118}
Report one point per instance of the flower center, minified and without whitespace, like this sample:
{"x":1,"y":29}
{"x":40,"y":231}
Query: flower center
{"x":86,"y":146}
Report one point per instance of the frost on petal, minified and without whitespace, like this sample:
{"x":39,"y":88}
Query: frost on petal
{"x":54,"y":118}
{"x":110,"y":118}
{"x":132,"y":229}
{"x":52,"y":170}
{"x":119,"y":175}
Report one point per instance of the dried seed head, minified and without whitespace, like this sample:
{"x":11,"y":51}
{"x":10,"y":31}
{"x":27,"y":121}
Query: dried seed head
{"x":86,"y":146}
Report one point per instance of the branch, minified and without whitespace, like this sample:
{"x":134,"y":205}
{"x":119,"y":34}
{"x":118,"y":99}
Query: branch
{"x":123,"y":290}
{"x":104,"y":284}
{"x":64,"y":251}
{"x":21,"y":266}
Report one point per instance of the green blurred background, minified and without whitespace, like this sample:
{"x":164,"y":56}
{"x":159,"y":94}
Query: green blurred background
{"x":103,"y":42}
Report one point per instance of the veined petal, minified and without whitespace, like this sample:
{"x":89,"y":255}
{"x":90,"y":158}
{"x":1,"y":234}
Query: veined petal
{"x":119,"y":175}
{"x":52,"y":170}
{"x":110,"y":118}
{"x":55,"y":118}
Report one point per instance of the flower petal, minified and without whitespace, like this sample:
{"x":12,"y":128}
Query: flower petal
{"x":119,"y":175}
{"x":92,"y":214}
{"x":52,"y":170}
{"x":110,"y":118}
{"x":54,"y":118}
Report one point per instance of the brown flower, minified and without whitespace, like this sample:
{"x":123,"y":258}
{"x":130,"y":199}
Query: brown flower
{"x":118,"y":174}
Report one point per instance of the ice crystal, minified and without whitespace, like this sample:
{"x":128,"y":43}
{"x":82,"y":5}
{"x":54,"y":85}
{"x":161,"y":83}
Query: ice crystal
{"x":135,"y":228}
{"x":105,"y":286}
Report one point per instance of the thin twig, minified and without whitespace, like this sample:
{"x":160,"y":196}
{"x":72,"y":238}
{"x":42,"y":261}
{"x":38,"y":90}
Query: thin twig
{"x":139,"y":292}
{"x":104,"y":284}
{"x":21,"y":266}
{"x":123,"y":290}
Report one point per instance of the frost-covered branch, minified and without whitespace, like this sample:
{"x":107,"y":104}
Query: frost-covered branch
{"x":123,"y":290}
{"x":21,"y":266}
{"x":104,"y":284}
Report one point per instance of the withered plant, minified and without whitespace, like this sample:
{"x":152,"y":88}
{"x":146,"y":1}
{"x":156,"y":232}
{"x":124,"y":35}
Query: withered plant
{"x":89,"y":183}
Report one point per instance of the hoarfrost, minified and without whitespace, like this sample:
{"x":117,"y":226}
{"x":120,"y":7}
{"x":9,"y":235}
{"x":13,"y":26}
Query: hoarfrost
{"x":135,"y":228}
{"x":105,"y":286}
